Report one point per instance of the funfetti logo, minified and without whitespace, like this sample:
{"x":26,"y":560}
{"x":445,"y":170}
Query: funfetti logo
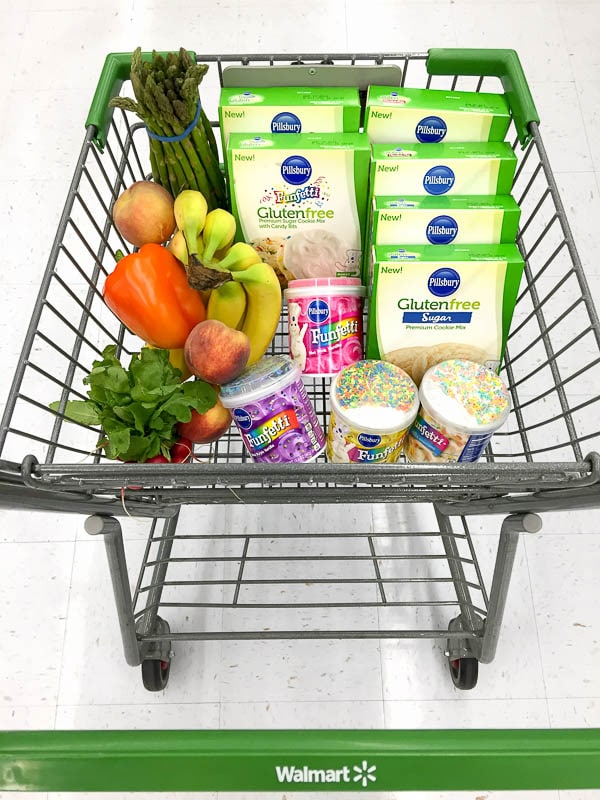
{"x":442,"y":229}
{"x":431,"y":129}
{"x":286,"y":122}
{"x":443,"y":282}
{"x":296,"y":170}
{"x":438,"y":180}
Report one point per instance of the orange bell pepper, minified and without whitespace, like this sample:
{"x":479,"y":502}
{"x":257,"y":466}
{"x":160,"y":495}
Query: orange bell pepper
{"x":149,"y":292}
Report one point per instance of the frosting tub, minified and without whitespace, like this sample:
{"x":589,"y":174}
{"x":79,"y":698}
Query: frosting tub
{"x":325,"y":328}
{"x":273,"y":412}
{"x":373,"y":404}
{"x":462,"y":404}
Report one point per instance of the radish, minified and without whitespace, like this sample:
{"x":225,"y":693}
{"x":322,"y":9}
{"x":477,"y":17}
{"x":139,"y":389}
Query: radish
{"x":180,"y":452}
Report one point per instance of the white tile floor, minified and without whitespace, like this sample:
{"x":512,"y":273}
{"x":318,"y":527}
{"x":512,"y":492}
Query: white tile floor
{"x":62,"y":661}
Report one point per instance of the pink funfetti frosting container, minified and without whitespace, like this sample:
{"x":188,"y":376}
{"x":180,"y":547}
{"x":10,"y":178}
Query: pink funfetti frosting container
{"x":325,"y":328}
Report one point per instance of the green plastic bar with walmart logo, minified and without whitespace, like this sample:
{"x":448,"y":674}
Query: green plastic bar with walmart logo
{"x":294,"y":760}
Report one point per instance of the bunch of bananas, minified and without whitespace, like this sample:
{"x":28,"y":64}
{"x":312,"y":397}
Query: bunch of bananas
{"x":240,"y":289}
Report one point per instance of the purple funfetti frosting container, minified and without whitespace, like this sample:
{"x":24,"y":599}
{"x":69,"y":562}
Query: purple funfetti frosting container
{"x":273,"y":412}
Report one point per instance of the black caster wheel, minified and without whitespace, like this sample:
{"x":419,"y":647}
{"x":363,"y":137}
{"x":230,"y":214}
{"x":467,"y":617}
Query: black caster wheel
{"x":155,"y":674}
{"x":464,"y":672}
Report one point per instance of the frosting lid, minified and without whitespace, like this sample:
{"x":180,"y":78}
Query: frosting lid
{"x":465,"y":393}
{"x":373,"y":384}
{"x":267,"y":374}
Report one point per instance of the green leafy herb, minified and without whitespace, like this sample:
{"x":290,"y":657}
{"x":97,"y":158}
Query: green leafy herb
{"x":138,"y":408}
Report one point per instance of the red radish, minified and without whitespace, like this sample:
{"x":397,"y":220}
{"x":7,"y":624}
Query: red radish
{"x":181,"y":452}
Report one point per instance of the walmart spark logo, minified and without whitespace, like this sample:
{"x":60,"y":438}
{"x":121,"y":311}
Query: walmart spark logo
{"x":363,"y":774}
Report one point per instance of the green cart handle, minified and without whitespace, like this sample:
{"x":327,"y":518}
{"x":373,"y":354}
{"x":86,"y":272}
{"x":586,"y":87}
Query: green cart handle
{"x":504,"y":64}
{"x":116,"y":70}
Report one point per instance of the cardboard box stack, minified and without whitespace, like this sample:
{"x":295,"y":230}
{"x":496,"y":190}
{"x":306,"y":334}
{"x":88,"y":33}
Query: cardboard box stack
{"x":298,"y":171}
{"x":444,"y":268}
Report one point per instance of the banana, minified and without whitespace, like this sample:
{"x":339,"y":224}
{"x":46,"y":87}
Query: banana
{"x":240,"y":256}
{"x":263,"y":308}
{"x":218,"y":231}
{"x":178,"y":247}
{"x":190,"y":211}
{"x":227,"y":303}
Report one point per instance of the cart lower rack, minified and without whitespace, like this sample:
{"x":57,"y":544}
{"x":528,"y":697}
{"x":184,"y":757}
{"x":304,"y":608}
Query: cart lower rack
{"x":198,"y":585}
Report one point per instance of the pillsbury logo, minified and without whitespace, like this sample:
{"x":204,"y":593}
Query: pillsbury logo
{"x":296,"y":170}
{"x":242,"y":418}
{"x":431,"y":129}
{"x":286,"y":122}
{"x":438,"y":180}
{"x":443,"y":282}
{"x":368,"y":439}
{"x":441,"y":230}
{"x":318,"y":311}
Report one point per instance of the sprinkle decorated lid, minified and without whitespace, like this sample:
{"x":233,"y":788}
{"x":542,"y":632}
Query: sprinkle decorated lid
{"x":265,"y":377}
{"x":466,"y":395}
{"x":375,"y":396}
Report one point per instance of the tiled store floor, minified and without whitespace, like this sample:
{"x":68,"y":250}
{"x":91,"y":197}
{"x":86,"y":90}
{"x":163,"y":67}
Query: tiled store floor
{"x":62,"y":660}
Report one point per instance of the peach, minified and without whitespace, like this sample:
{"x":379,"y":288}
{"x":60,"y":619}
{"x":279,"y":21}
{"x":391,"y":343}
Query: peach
{"x":143,"y":214}
{"x":215,"y":352}
{"x":207,"y":427}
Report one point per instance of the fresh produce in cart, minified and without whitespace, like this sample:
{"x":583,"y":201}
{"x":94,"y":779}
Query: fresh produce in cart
{"x":208,"y":427}
{"x":139,"y":408}
{"x":148,"y":291}
{"x":253,"y":308}
{"x":215,"y":352}
{"x":158,"y":293}
{"x":183,"y":149}
{"x":143,"y":214}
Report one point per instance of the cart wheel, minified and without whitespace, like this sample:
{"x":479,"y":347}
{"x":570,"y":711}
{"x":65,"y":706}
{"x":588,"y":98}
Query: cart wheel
{"x":464,"y":672}
{"x":155,"y":674}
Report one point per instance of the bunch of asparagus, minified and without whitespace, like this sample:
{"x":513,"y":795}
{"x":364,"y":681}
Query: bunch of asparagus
{"x":166,"y":99}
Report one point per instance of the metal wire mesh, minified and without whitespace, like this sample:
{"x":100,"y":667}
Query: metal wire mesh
{"x":307,"y":585}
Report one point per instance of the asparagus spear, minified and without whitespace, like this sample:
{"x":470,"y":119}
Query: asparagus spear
{"x":157,"y":160}
{"x":189,"y":94}
{"x":155,"y":99}
{"x":166,"y":91}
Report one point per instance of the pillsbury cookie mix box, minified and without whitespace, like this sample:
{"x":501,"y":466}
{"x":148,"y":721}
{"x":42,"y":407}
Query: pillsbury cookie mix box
{"x":289,"y":109}
{"x":396,"y":114}
{"x":431,"y":219}
{"x":301,"y":200}
{"x":437,"y":169}
{"x":433,"y":303}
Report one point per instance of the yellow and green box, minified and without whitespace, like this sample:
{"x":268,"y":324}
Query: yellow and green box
{"x":395,"y":114}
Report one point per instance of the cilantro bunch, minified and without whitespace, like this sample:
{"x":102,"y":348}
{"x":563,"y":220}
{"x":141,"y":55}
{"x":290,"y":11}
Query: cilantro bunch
{"x":138,"y":408}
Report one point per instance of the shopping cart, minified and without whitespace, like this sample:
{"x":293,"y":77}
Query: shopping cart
{"x":410,"y":583}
